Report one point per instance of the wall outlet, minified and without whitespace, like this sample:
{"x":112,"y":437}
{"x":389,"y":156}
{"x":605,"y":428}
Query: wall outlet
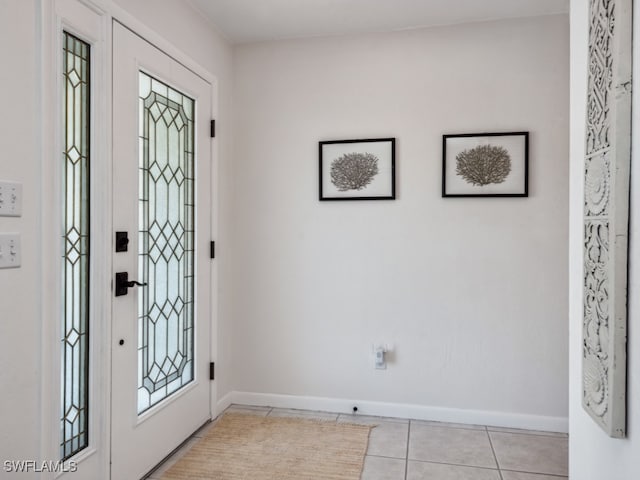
{"x":10,"y":250}
{"x":379,"y":359}
{"x":10,"y":199}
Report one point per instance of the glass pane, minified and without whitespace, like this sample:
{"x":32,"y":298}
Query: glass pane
{"x":166,"y":207}
{"x":75,"y":325}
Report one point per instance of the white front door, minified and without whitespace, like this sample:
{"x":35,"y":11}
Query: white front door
{"x":162,"y":200}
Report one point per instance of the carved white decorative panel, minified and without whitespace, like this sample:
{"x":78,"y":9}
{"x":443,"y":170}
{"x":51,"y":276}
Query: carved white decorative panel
{"x":606,"y":214}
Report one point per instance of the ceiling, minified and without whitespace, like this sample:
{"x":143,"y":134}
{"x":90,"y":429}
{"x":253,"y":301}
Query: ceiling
{"x":246,"y":21}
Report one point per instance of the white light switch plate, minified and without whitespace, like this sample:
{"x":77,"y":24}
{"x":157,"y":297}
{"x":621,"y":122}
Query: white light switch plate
{"x":10,"y":250}
{"x":10,"y":199}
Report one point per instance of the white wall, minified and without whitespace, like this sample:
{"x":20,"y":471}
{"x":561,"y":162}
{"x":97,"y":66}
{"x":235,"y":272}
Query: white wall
{"x":20,"y":288}
{"x":592,"y":454}
{"x":188,"y":30}
{"x":471,"y":292}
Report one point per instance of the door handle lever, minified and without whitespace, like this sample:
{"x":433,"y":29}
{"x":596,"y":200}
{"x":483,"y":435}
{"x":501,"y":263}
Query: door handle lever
{"x":123,"y":284}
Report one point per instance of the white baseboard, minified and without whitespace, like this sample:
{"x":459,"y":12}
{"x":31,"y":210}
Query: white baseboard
{"x":400,"y":410}
{"x":224,"y":403}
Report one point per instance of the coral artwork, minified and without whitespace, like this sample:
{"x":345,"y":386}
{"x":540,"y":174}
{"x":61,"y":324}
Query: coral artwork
{"x":353,"y":171}
{"x":484,"y":165}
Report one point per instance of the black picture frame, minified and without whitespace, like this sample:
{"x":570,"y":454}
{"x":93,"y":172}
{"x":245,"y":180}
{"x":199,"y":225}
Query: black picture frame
{"x":378,"y":157}
{"x":462,"y":152}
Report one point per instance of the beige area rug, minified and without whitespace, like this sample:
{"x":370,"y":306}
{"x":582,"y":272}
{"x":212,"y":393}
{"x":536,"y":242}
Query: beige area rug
{"x":250,"y":447}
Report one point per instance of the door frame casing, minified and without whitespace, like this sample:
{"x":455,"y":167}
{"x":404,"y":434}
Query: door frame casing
{"x":53,"y":17}
{"x":90,"y":23}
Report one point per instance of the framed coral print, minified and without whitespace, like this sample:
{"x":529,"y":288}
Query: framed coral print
{"x":485,"y":165}
{"x":357,"y":169}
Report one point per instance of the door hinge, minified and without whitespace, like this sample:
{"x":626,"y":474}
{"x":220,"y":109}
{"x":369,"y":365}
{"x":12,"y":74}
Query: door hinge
{"x":213,"y":250}
{"x":213,"y":128}
{"x":212,"y":371}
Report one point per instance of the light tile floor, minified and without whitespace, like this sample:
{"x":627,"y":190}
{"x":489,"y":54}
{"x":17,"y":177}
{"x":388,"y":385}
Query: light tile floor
{"x":401,"y":449}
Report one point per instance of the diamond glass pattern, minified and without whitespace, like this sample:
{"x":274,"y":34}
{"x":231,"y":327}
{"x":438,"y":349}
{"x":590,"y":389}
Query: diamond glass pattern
{"x":166,"y":209}
{"x":75,"y":325}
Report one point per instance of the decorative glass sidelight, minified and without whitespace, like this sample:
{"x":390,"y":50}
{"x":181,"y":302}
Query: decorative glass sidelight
{"x":75,"y":325}
{"x":166,"y":241}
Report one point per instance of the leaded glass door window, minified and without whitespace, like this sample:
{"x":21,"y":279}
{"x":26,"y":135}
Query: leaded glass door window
{"x":166,"y":226}
{"x":75,"y":288}
{"x":161,"y":327}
